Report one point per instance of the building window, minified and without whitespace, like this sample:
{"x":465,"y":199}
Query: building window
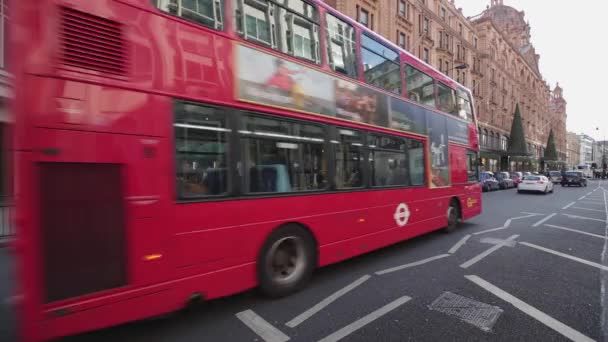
{"x":425,"y":55}
{"x":201,"y":145}
{"x":475,"y":42}
{"x":446,"y":41}
{"x":204,"y":12}
{"x":426,"y":26}
{"x":447,"y":68}
{"x":443,"y":13}
{"x":341,"y":47}
{"x":460,"y":29}
{"x":402,"y":8}
{"x":282,"y":156}
{"x":401,"y":41}
{"x":380,"y":65}
{"x":364,"y":17}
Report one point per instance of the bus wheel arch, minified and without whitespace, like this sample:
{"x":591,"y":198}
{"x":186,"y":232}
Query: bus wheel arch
{"x":286,"y":260}
{"x":454,"y":215}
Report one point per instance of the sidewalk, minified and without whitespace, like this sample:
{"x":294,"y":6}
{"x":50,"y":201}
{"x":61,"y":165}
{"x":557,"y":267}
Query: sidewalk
{"x":7,"y":316}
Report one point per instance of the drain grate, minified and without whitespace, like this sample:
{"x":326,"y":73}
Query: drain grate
{"x":479,"y":314}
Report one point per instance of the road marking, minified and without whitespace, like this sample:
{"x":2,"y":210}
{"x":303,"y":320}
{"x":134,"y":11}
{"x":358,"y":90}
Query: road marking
{"x":262,"y":328}
{"x":588,"y":209}
{"x":507,"y":223}
{"x":567,"y":256}
{"x":576,"y":231}
{"x":569,"y":205}
{"x":459,"y":244}
{"x":365,"y":320}
{"x":529,"y":310}
{"x":415,"y":263}
{"x":584,"y":218}
{"x":547,"y":218}
{"x":589,"y":193}
{"x":589,"y":202}
{"x":533,"y":214}
{"x":325,"y":302}
{"x":494,"y":241}
{"x":581,"y":198}
{"x":487,"y":252}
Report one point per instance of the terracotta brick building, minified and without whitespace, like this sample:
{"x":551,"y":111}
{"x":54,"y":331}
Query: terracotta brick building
{"x":503,"y":67}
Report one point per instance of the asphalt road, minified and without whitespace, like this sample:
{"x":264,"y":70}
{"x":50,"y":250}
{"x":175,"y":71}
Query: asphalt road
{"x":530,"y":268}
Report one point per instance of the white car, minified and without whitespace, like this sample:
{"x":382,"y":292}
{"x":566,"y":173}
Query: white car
{"x":535,"y":183}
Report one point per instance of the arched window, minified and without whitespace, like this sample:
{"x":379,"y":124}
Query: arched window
{"x":491,"y":139}
{"x":484,"y":138}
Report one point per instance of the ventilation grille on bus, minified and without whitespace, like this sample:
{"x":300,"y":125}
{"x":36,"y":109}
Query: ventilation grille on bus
{"x":93,"y":43}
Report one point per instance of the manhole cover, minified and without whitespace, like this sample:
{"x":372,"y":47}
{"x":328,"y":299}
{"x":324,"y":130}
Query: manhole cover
{"x":481,"y":315}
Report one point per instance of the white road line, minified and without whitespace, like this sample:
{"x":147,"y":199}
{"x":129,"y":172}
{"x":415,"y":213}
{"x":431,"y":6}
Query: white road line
{"x":262,"y":328}
{"x":487,"y":252}
{"x":584,"y":218}
{"x":533,"y":214}
{"x":531,"y":311}
{"x":325,"y":302}
{"x":601,"y":211}
{"x":365,"y":320}
{"x":567,"y":256}
{"x":544,"y":220}
{"x":581,"y":198}
{"x":569,"y":205}
{"x":490,"y":230}
{"x":415,"y":263}
{"x":589,"y":202}
{"x":576,"y":231}
{"x":459,"y":244}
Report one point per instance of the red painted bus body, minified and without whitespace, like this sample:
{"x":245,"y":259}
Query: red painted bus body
{"x":107,"y":130}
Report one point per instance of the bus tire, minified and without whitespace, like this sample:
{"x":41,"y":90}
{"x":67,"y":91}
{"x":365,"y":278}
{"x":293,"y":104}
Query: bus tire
{"x":453,"y":216}
{"x":286,"y":261}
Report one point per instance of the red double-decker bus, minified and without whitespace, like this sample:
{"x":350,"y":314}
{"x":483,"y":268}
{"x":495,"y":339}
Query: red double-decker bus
{"x":177,"y":150}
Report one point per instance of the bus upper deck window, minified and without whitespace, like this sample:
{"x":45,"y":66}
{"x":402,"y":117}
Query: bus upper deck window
{"x":205,"y":12}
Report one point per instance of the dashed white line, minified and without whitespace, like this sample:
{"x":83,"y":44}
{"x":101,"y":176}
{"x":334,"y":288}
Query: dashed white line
{"x":262,"y":328}
{"x":325,"y":302}
{"x":459,"y":244}
{"x":547,"y":218}
{"x":584,"y":218}
{"x":567,"y":256}
{"x":490,"y":230}
{"x":412,"y":264}
{"x":588,"y":209}
{"x":507,"y":223}
{"x":581,"y":198}
{"x":569,"y":205}
{"x":575,"y":231}
{"x":363,"y":321}
{"x":531,"y":311}
{"x":487,"y":252}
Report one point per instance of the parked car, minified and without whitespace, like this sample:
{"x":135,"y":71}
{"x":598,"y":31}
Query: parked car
{"x":488,"y":182}
{"x":574,"y":178}
{"x":517,"y":177}
{"x":504,"y":180}
{"x":555,"y":176}
{"x":527,"y":174}
{"x":535,"y":184}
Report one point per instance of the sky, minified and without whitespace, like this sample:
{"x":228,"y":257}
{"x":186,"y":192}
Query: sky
{"x":573,"y":46}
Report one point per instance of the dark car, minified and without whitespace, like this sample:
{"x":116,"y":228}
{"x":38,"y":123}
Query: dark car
{"x":574,"y":178}
{"x":504,"y":180}
{"x":488,"y":182}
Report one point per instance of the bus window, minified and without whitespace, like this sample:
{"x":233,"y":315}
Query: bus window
{"x":348,"y":154}
{"x":201,"y":142}
{"x":388,"y":159}
{"x":205,"y":12}
{"x":420,"y":86}
{"x":447,"y":99}
{"x":341,"y":46}
{"x":472,"y":167}
{"x":380,"y":65}
{"x":282,"y":156}
{"x":291,"y":29}
{"x":465,"y":110}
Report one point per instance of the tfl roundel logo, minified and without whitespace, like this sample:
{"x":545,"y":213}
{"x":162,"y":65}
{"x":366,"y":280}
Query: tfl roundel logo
{"x":402,"y":214}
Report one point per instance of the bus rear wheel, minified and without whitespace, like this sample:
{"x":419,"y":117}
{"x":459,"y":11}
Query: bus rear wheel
{"x":453,"y":216}
{"x":286,"y":261}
